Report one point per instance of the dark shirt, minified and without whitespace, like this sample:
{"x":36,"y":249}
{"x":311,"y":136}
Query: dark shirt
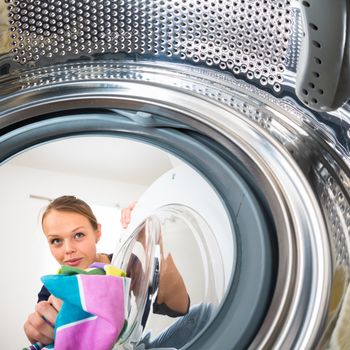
{"x":44,"y":294}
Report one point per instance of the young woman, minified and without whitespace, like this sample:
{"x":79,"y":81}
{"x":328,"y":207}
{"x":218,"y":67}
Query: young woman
{"x":72,"y":232}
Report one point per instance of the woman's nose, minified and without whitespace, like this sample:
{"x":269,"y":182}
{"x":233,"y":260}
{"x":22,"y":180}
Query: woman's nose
{"x":69,"y":247}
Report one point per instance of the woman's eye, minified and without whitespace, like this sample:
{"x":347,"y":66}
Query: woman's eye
{"x":79,"y":235}
{"x":55,"y":241}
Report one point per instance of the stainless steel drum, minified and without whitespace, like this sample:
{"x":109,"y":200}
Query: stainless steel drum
{"x":250,"y":93}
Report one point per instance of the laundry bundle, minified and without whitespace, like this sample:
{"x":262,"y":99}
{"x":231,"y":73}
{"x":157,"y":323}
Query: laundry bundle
{"x":94,"y":305}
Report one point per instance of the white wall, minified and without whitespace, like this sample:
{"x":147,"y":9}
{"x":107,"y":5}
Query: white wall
{"x":25,"y":253}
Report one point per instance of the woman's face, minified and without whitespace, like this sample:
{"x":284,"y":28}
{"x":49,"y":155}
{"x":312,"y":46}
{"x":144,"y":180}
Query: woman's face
{"x":71,"y":238}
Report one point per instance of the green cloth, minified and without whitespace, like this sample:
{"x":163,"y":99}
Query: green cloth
{"x":70,"y":270}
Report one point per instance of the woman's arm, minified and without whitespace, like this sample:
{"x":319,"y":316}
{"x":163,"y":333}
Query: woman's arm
{"x":172,"y":297}
{"x":172,"y":290}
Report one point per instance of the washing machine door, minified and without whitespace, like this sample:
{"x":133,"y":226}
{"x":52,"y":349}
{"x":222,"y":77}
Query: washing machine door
{"x":252,"y":96}
{"x":183,"y":236}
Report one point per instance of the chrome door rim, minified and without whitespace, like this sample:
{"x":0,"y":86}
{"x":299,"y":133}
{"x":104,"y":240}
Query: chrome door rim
{"x":303,"y":239}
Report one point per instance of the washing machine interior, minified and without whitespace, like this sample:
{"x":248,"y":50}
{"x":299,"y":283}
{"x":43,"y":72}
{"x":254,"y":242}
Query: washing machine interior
{"x":250,"y":94}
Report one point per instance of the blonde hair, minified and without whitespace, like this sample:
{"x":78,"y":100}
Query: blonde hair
{"x":71,"y":204}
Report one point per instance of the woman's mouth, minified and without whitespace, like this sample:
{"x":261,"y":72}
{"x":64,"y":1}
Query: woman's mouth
{"x":73,"y":262}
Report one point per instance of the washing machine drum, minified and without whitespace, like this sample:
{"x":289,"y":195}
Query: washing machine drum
{"x":247,"y":246}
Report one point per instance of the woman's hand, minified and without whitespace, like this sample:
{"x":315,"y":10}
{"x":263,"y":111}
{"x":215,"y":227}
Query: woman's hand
{"x":125,"y":216}
{"x":39,"y":326}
